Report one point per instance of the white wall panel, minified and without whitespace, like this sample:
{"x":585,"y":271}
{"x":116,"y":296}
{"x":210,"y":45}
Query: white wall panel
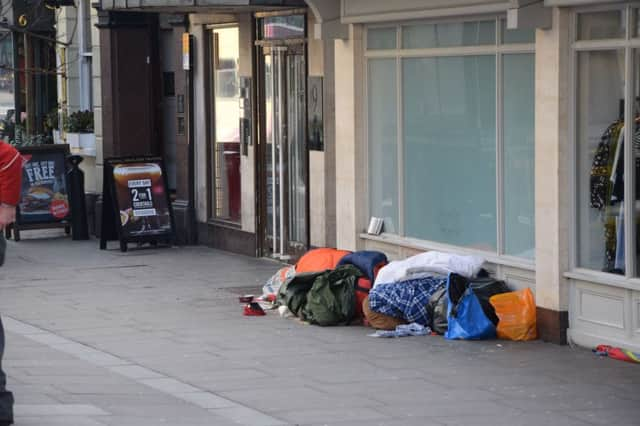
{"x":602,"y":308}
{"x":604,"y":314}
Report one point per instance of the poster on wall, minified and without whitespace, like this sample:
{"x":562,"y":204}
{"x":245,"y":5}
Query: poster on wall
{"x":315,"y":114}
{"x":44,"y":196}
{"x":136,"y":206}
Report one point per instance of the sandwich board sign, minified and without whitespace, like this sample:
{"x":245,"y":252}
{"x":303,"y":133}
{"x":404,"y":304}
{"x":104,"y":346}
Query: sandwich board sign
{"x":135,"y":202}
{"x":44,"y":194}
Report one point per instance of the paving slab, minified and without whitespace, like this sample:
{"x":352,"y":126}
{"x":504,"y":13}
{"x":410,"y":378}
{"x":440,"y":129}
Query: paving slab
{"x":156,"y":336}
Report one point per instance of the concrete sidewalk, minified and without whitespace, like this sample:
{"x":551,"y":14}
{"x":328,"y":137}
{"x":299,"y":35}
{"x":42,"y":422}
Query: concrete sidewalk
{"x":155,"y":337}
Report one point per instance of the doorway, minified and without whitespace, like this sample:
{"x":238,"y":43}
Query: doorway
{"x":283,"y":156}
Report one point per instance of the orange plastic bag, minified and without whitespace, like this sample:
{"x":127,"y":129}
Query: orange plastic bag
{"x":517,"y":314}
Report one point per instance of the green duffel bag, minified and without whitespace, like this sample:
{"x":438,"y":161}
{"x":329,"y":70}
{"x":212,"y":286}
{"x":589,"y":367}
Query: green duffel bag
{"x":332,"y":299}
{"x":293,"y":294}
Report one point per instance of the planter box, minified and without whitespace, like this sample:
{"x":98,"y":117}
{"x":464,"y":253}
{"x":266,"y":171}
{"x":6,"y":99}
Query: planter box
{"x":88,"y":142}
{"x":84,"y":142}
{"x":73,"y":139}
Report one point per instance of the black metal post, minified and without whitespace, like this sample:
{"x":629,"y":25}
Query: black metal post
{"x":75,"y":177}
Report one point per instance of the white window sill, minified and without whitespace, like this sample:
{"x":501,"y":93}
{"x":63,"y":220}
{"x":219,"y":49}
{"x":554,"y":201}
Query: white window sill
{"x":413,"y":243}
{"x":85,"y":152}
{"x":604,"y":278}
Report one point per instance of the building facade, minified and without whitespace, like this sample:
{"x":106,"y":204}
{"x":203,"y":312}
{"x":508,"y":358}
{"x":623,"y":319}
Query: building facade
{"x":79,"y":83}
{"x":475,"y":126}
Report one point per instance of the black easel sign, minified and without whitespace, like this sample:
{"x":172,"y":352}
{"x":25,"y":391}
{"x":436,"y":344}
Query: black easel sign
{"x":44,"y":194}
{"x":136,"y":205}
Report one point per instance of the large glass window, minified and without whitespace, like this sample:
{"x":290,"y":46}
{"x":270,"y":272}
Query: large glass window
{"x":518,"y":131}
{"x":450,"y":128}
{"x":383,"y":143}
{"x":449,"y":34}
{"x":226,"y":147}
{"x":279,"y":27}
{"x":608,"y":168}
{"x":450,"y":149}
{"x":599,"y":124}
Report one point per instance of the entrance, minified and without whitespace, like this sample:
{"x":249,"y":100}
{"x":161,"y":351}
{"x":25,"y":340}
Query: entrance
{"x":284,"y":155}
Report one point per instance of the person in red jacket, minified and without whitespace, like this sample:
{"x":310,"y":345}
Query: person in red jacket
{"x":10,"y":176}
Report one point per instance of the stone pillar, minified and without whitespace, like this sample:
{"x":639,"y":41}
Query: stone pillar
{"x":329,"y":114}
{"x":552,"y":177}
{"x":183,"y":206}
{"x":349,"y":144}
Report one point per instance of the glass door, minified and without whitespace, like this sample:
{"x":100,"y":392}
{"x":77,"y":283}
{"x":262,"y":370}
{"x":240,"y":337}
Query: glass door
{"x":285,"y":154}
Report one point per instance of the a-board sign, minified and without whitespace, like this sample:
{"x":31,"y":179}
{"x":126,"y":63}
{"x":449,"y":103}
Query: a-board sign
{"x":136,"y":206}
{"x":44,"y":196}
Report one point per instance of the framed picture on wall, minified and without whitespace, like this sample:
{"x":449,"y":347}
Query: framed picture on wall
{"x":315,"y":117}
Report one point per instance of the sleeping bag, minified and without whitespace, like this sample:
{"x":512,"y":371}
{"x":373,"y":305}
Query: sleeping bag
{"x":320,"y":260}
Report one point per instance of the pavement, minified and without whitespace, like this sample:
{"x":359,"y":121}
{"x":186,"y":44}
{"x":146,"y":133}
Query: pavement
{"x":156,"y":336}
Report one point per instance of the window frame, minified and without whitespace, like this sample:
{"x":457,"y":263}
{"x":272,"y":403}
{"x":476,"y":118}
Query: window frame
{"x":212,"y":176}
{"x":628,"y":44}
{"x":498,"y":50}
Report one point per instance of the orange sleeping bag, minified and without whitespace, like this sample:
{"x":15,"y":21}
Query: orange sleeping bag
{"x":318,"y":260}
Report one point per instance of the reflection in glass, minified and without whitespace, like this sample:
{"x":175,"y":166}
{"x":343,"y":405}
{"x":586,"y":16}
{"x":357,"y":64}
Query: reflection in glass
{"x":227,"y":129}
{"x":297,"y":149}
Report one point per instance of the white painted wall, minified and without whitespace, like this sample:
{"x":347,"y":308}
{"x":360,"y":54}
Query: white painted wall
{"x":67,"y":30}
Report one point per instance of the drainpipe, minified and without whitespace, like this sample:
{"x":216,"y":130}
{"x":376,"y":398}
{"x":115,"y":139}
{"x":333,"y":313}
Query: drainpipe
{"x":191,"y":208}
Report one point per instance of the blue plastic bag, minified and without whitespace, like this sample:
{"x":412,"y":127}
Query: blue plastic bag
{"x":467,"y":320}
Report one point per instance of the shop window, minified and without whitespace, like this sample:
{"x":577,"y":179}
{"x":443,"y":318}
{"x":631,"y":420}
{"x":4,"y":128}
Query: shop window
{"x":226,"y":110}
{"x":450,"y":34}
{"x":450,"y":128}
{"x":608,"y":168}
{"x":518,"y":128}
{"x":381,"y":38}
{"x":383,"y":143}
{"x":601,"y":25}
{"x":517,"y":36}
{"x":280,"y":27}
{"x":449,"y":134}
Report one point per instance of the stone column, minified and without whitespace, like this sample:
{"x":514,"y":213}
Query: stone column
{"x":552,"y":177}
{"x":349,"y":146}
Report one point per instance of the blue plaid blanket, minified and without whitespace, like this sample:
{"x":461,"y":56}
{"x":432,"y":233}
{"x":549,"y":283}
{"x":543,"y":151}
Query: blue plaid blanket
{"x":406,"y":299}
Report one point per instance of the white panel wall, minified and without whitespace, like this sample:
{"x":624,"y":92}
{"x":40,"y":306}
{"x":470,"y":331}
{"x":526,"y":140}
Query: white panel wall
{"x":603,"y":314}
